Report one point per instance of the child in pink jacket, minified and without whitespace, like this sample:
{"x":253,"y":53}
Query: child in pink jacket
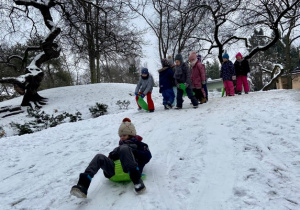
{"x":198,"y":77}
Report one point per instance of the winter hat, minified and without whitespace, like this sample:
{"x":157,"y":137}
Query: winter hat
{"x":225,"y":56}
{"x":239,"y":54}
{"x":165,"y":63}
{"x":179,"y":58}
{"x":199,"y":57}
{"x":193,"y":56}
{"x":145,"y":71}
{"x":170,"y":60}
{"x":127,"y":128}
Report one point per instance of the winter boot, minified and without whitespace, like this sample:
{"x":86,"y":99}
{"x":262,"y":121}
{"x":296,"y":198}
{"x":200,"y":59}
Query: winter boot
{"x":135,"y":177}
{"x":178,"y":107}
{"x":80,"y":190}
{"x":151,"y":110}
{"x":139,"y":187}
{"x":239,"y":93}
{"x":203,"y":100}
{"x":166,"y":107}
{"x":169,"y":105}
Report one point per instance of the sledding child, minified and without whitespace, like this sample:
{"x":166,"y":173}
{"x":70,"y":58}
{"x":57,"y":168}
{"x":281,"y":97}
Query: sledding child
{"x":132,"y":153}
{"x":242,"y":68}
{"x":198,"y":77}
{"x":144,"y":88}
{"x":228,"y":75}
{"x":166,"y":82}
{"x":182,"y":75}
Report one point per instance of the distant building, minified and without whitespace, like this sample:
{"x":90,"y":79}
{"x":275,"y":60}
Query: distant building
{"x":282,"y":82}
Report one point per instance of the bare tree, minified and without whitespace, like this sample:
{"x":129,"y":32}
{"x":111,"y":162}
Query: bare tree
{"x":99,"y":31}
{"x":48,"y":49}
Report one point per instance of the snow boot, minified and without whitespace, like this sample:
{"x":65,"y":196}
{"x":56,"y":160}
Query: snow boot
{"x":80,"y":190}
{"x":135,"y":177}
{"x":169,"y":105}
{"x":178,"y":107}
{"x":166,"y":107}
{"x":139,"y":187}
{"x":203,"y":100}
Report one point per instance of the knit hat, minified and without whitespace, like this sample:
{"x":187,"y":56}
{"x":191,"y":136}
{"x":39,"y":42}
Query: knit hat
{"x":239,"y":54}
{"x":179,"y":58}
{"x":199,"y":57}
{"x":225,"y":56}
{"x":170,"y":60}
{"x":193,"y":56}
{"x":127,"y":128}
{"x":145,"y":71}
{"x":165,"y":63}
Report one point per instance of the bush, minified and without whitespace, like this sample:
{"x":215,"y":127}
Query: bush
{"x":43,"y":121}
{"x":98,"y":110}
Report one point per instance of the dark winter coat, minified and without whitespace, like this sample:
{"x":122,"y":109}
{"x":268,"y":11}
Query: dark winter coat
{"x":227,"y":71}
{"x":183,"y":75}
{"x":145,"y":85}
{"x":140,"y":150}
{"x":241,"y":67}
{"x":166,"y":78}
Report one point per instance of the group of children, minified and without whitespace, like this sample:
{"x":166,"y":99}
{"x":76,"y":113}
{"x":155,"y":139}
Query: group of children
{"x":235,"y":72}
{"x":191,"y":78}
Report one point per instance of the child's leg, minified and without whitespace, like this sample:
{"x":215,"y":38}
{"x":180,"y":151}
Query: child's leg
{"x":190,"y":95}
{"x":165,"y":97}
{"x":175,"y":95}
{"x":231,"y":88}
{"x":239,"y":81}
{"x":103,"y":162}
{"x":245,"y":83}
{"x":150,"y":101}
{"x":171,"y":96}
{"x":198,"y":93}
{"x":129,"y":163}
{"x":205,"y":89}
{"x":226,"y":87}
{"x":179,"y":98}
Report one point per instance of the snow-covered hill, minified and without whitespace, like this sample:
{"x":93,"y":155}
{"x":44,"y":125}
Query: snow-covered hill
{"x":239,"y":152}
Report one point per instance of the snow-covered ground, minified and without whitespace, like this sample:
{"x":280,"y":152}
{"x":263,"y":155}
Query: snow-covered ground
{"x":232,"y":153}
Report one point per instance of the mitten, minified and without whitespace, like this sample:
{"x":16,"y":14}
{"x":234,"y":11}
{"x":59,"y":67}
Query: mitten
{"x":233,"y":77}
{"x":136,"y":94}
{"x":142,"y":95}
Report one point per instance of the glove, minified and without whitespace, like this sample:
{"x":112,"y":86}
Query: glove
{"x":186,"y":85}
{"x":136,"y":94}
{"x":233,"y":77}
{"x":203,"y":82}
{"x":142,"y":95}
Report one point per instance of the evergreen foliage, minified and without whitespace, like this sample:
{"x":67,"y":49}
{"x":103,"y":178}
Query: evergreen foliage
{"x":98,"y":110}
{"x":43,"y":121}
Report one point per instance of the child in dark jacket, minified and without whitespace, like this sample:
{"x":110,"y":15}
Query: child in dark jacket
{"x":228,"y":75}
{"x":132,"y":153}
{"x":166,"y":82}
{"x":242,"y":68}
{"x":182,"y":75}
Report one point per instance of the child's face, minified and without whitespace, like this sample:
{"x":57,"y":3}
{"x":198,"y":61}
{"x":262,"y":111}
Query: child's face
{"x":144,"y":75}
{"x":225,"y":59}
{"x":124,"y":137}
{"x":177,"y":62}
{"x":238,"y":58}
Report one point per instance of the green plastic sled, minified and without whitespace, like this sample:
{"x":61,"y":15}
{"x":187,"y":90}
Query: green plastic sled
{"x":223,"y":91}
{"x":142,"y":103}
{"x":120,"y":175}
{"x":182,"y":87}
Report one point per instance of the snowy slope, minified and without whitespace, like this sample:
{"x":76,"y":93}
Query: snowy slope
{"x":239,"y":152}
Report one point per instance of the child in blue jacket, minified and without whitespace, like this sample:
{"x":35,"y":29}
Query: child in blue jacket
{"x":166,"y":83}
